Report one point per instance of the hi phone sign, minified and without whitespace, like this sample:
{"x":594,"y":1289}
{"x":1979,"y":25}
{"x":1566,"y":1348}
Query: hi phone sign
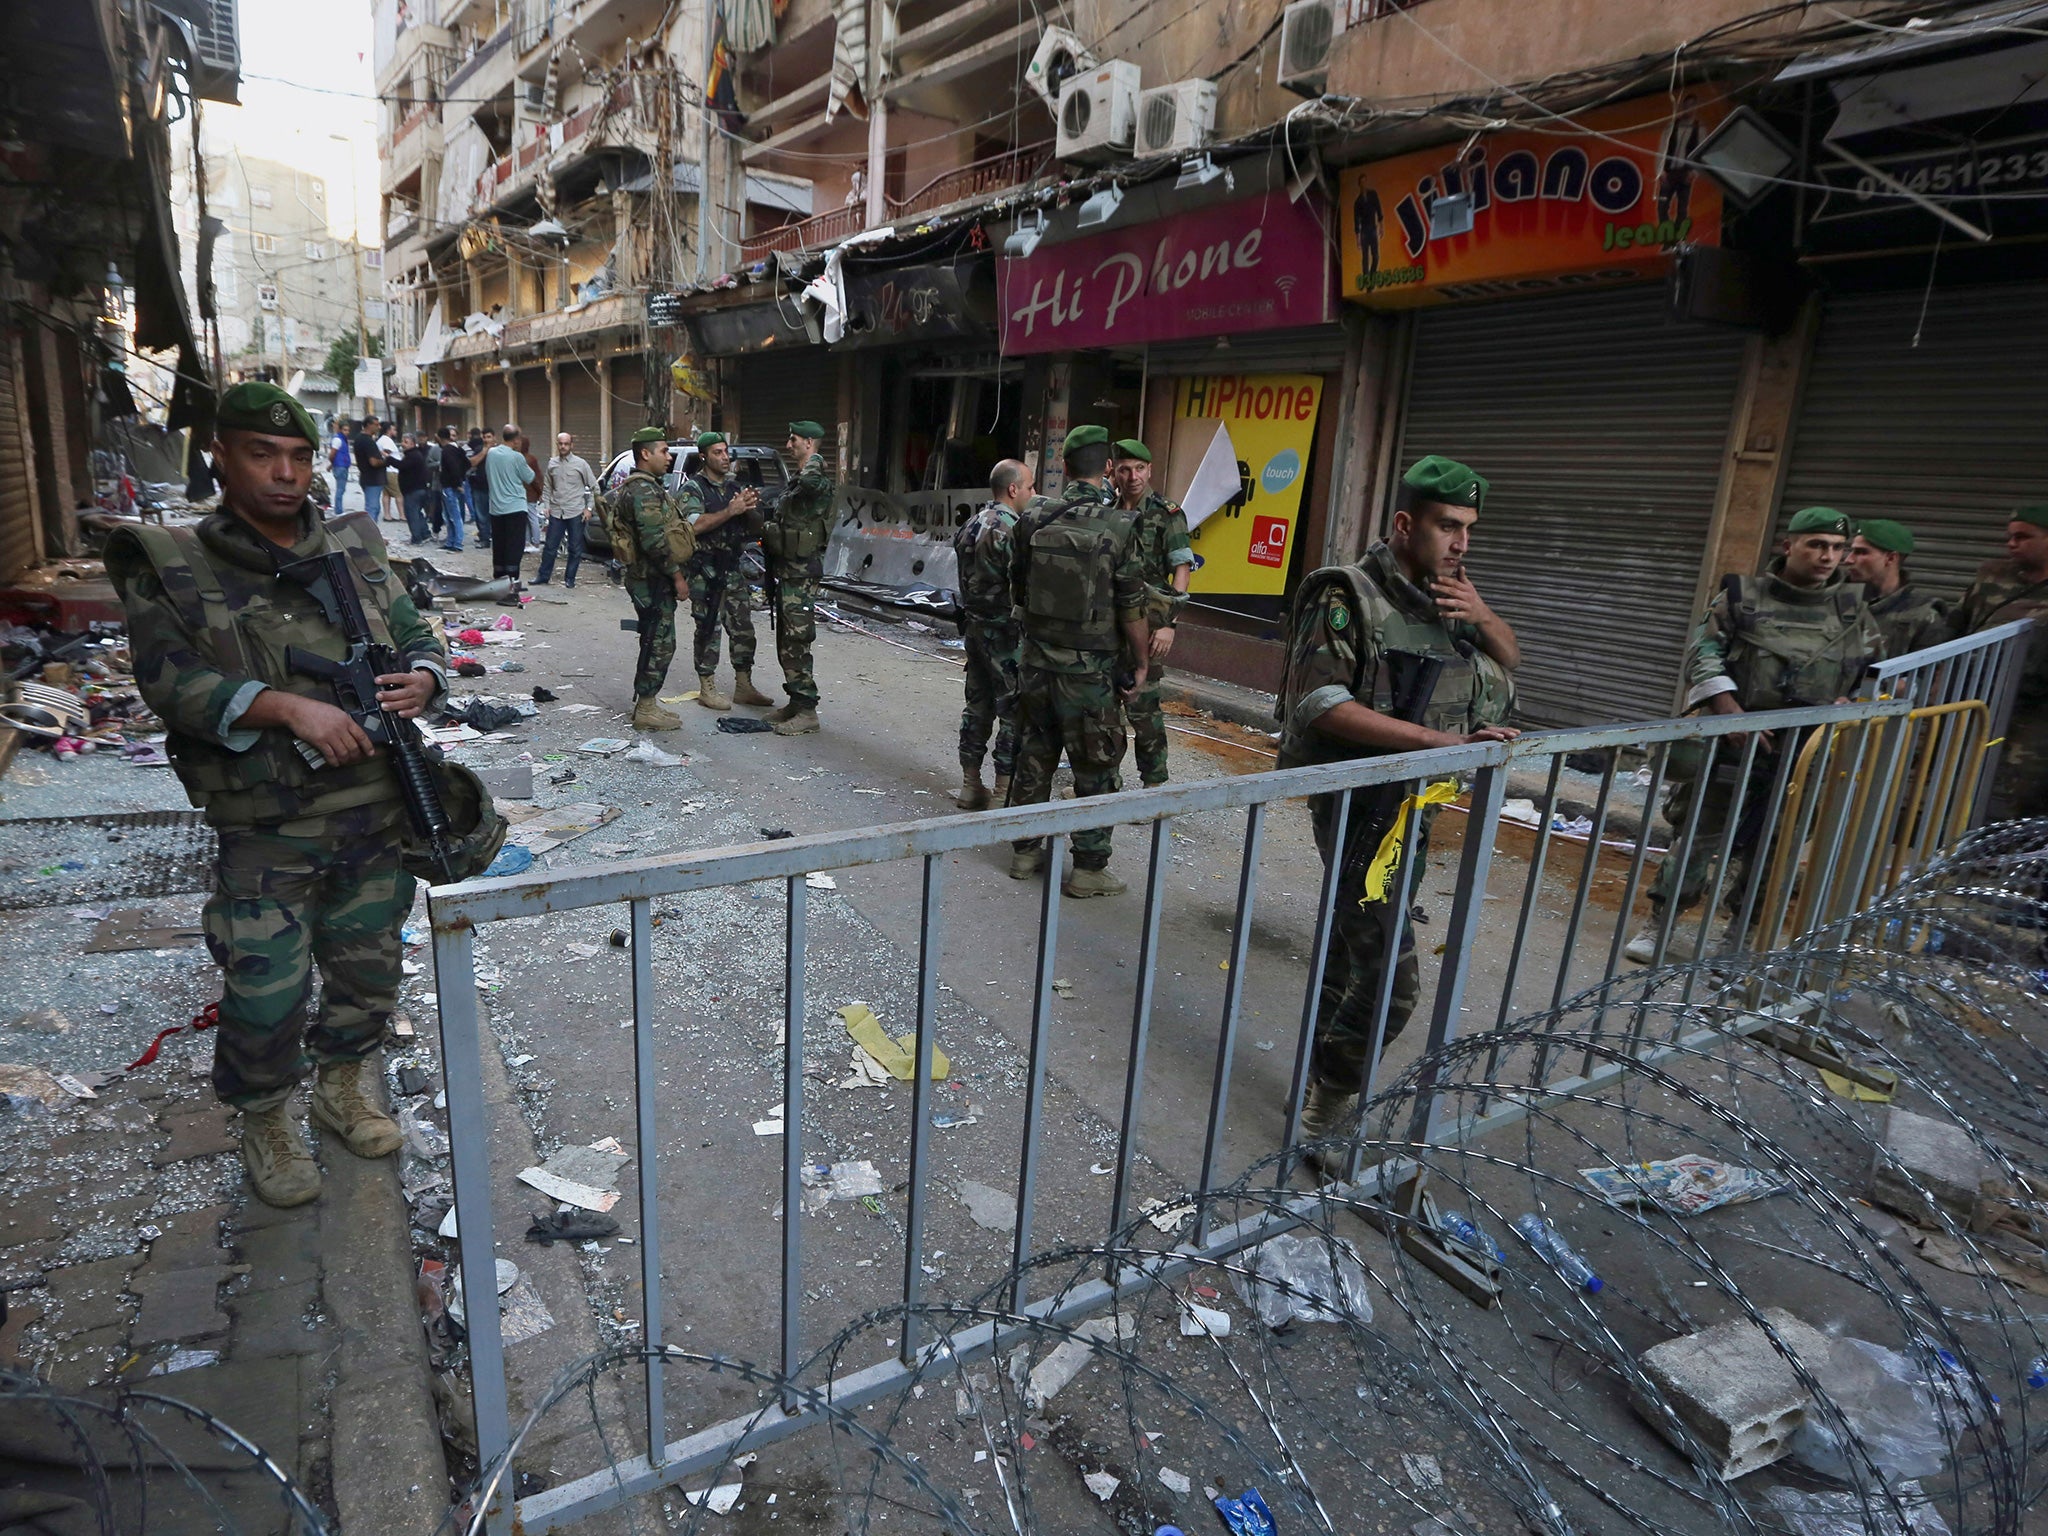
{"x":1268,"y":422}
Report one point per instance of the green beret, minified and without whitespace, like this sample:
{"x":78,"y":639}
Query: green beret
{"x":709,"y":440}
{"x":1882,"y":533}
{"x":1084,"y":437}
{"x":1818,"y":520}
{"x":1131,"y":448}
{"x":1439,"y":479}
{"x":648,"y":435}
{"x":258,"y":407}
{"x":2036,"y":514}
{"x":808,"y":429}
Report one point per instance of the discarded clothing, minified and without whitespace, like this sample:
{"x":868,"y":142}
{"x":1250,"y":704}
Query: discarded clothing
{"x":742,"y":725}
{"x":571,"y":1227}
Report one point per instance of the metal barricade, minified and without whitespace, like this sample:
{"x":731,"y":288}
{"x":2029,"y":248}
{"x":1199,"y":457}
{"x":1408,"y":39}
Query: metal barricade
{"x":1739,"y":811}
{"x":1984,"y":668}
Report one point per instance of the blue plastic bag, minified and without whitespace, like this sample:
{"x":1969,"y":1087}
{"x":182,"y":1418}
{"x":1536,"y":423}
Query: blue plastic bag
{"x":1247,"y":1516}
{"x":512,"y":859}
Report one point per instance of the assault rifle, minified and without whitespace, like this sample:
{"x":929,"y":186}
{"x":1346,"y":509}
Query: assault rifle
{"x":354,"y":681}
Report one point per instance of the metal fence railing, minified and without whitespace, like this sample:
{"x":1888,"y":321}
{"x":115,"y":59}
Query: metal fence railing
{"x":1537,"y":914}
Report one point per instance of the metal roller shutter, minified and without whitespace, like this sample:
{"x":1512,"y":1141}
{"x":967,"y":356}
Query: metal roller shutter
{"x":497,"y":403}
{"x":629,"y":400}
{"x":1602,"y":425}
{"x":1315,"y":349}
{"x":1934,"y":421}
{"x":781,"y":387}
{"x":17,"y":500}
{"x":582,"y":408}
{"x":530,"y":402}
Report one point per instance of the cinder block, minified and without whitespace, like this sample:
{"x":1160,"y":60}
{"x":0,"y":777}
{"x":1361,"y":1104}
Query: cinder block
{"x":1729,"y":1385}
{"x":1923,"y":1165}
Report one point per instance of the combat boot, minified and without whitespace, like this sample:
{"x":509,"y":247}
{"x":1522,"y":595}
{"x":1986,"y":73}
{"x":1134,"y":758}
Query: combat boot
{"x":280,"y":1164}
{"x":970,"y":796}
{"x":345,"y":1102}
{"x":650,"y":716}
{"x":708,"y":694}
{"x":1000,"y":795}
{"x":1025,"y":863}
{"x":791,"y":708}
{"x":1325,"y":1112}
{"x":744,"y":691}
{"x":799,"y":722}
{"x":1092,"y":882}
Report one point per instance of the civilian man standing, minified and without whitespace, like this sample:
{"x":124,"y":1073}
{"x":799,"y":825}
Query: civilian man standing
{"x":416,"y":484}
{"x":568,"y":492}
{"x":369,"y":466}
{"x":454,"y":488}
{"x":507,"y":474}
{"x":479,"y":487}
{"x":337,"y":459}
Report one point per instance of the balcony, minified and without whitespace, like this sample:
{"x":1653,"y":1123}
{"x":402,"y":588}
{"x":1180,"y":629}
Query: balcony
{"x":513,"y":171}
{"x":417,"y":136}
{"x":967,"y":183}
{"x":469,"y":75}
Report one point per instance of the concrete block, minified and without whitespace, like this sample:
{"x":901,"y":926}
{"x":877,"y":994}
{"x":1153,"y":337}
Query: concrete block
{"x":190,"y":1240}
{"x":89,"y":1296}
{"x":179,"y":1305}
{"x":285,"y":1254}
{"x":1923,"y":1165}
{"x":197,"y":1133}
{"x":273,"y":1322}
{"x":1729,"y":1386}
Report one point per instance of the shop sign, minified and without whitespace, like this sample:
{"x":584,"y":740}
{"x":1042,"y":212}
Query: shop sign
{"x":938,"y":301}
{"x":1608,"y":203}
{"x":899,"y":540}
{"x":1257,"y":264}
{"x":664,"y":308}
{"x":2000,"y":185}
{"x":1242,"y":548}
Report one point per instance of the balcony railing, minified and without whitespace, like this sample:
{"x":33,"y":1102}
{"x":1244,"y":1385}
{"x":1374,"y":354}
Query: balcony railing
{"x":476,"y":61}
{"x":979,"y":179}
{"x":497,"y":176}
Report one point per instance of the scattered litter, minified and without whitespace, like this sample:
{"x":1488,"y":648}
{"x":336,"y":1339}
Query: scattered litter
{"x":775,"y":834}
{"x":1423,"y":1471}
{"x":1247,"y":1516}
{"x":1288,"y":1279}
{"x":577,"y":709}
{"x":185,"y":1360}
{"x":818,"y":882}
{"x":133,"y":928}
{"x":605,"y":851}
{"x":450,"y":735}
{"x":1198,"y":1321}
{"x":1855,"y":1514}
{"x":742,"y":725}
{"x":719,"y":1500}
{"x":1064,"y":987}
{"x":21,"y":1086}
{"x":579,"y":1176}
{"x":448,"y":1227}
{"x":581,"y":952}
{"x":542,"y":695}
{"x":892,"y":1055}
{"x":43,"y":1021}
{"x":769,"y":1127}
{"x":512,"y":859}
{"x":523,"y":1314}
{"x":512,"y":782}
{"x":1890,"y":1410}
{"x":543,"y":830}
{"x":1682,"y":1186}
{"x":1167,"y":1218}
{"x":1067,"y":1359}
{"x":869,"y":792}
{"x":946,"y":1120}
{"x":839,"y":1181}
{"x":1176,"y":1481}
{"x":648,"y":752}
{"x":603,"y":746}
{"x":993,"y":1208}
{"x":679,"y":698}
{"x":571,"y":1227}
{"x":1102,"y":1484}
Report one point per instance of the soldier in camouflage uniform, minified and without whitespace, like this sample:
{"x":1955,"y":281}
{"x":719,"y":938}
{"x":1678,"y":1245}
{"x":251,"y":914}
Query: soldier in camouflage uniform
{"x":2017,"y":588}
{"x":649,"y":535}
{"x":1169,"y":557}
{"x":1908,"y":618}
{"x":309,"y":814}
{"x":721,"y":513}
{"x":989,"y":628}
{"x":1797,"y":635}
{"x":795,"y":546}
{"x":1079,"y":591}
{"x":1408,"y":596}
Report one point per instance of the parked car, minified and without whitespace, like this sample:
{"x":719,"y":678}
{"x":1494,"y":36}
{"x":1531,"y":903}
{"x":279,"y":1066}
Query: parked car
{"x":761,"y":468}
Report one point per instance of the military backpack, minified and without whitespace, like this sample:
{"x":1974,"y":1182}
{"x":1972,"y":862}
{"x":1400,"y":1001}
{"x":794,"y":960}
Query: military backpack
{"x":1070,"y":594}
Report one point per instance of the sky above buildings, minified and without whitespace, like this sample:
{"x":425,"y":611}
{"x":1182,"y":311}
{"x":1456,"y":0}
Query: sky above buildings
{"x":306,"y":75}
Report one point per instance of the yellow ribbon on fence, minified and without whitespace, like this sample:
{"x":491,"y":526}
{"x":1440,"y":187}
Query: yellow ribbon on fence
{"x":1380,"y":871}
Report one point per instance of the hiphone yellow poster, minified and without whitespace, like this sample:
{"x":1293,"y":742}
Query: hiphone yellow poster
{"x":1243,"y":547}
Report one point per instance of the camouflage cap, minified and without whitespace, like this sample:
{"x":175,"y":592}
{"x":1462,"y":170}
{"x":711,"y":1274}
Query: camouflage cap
{"x":2036,"y":514}
{"x":1443,"y":480}
{"x":1131,"y":448}
{"x":1882,"y":533}
{"x":1818,"y":520}
{"x":808,"y":429}
{"x":259,"y":407}
{"x":1084,"y":437}
{"x":709,"y":440}
{"x":648,"y":435}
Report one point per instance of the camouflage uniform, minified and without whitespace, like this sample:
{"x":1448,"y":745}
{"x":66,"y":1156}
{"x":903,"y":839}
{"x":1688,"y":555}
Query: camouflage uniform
{"x":1163,"y":543}
{"x":1909,"y":620}
{"x":990,"y":631}
{"x":795,"y":541}
{"x":309,"y":869}
{"x":1774,"y":646}
{"x":1999,"y":595}
{"x":643,"y":509}
{"x":1072,"y":651}
{"x":1345,"y":620}
{"x":719,"y":591}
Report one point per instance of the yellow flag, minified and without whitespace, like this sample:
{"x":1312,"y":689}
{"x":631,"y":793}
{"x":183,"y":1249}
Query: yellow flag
{"x":1379,"y":872}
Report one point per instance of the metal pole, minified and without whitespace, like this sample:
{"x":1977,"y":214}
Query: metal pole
{"x":647,"y":1136}
{"x":1489,"y":791}
{"x":921,"y":1098}
{"x":794,"y":937}
{"x":1233,"y":1002}
{"x":1141,"y":1026}
{"x":1041,"y":1024}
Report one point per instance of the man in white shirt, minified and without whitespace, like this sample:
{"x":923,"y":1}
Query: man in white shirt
{"x":568,"y":493}
{"x":392,"y":454}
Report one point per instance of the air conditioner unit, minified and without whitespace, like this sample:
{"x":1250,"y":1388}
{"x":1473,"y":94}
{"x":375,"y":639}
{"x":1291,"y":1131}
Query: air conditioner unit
{"x":1307,"y":29}
{"x":1059,"y":58}
{"x":1174,"y":119}
{"x":1098,"y":112}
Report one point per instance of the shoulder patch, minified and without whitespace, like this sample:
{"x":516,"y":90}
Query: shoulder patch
{"x":1340,"y":613}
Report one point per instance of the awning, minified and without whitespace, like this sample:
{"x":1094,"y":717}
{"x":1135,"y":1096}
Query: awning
{"x":1900,"y":45}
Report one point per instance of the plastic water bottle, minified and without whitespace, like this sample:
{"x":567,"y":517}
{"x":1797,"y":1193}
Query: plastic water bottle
{"x":1966,"y":1399}
{"x":2037,"y":1373}
{"x":1562,"y":1257}
{"x":1467,"y":1231}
